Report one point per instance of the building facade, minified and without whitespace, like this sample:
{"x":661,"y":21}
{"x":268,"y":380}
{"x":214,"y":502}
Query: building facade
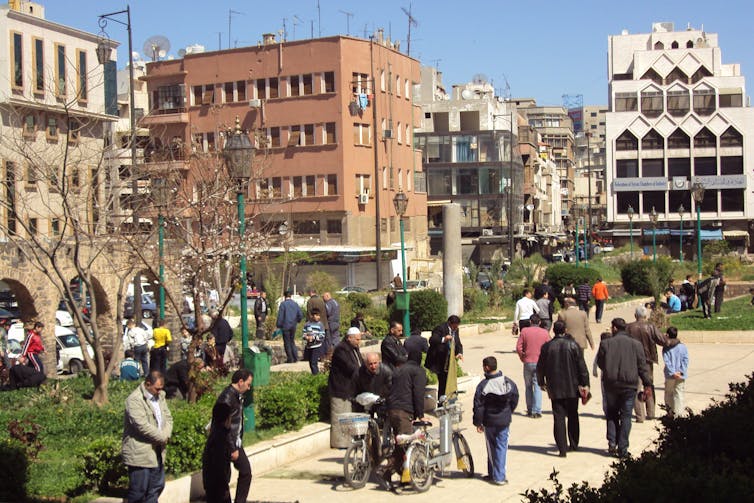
{"x":678,"y":118}
{"x":589,"y":160}
{"x":333,"y":122}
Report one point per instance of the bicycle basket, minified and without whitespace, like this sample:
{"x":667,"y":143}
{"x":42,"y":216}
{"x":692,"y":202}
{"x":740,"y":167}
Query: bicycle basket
{"x":353,"y":423}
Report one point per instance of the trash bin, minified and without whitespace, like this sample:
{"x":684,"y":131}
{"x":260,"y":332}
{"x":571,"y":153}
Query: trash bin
{"x":402,"y":300}
{"x":249,"y":418}
{"x":258,"y":362}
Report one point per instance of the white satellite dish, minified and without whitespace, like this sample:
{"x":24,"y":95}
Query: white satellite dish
{"x":156,"y":47}
{"x":467,"y":94}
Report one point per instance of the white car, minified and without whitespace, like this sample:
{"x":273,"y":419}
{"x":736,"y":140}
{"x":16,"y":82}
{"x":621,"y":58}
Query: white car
{"x":63,"y":318}
{"x":70,"y":356}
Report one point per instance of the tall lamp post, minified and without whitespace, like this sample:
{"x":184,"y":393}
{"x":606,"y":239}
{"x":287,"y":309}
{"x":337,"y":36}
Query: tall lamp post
{"x":681,"y":211}
{"x":653,"y":217}
{"x":283,"y":231}
{"x":239,"y":154}
{"x":697,"y":191}
{"x":104,"y":52}
{"x":400,"y":201}
{"x":161,"y":193}
{"x":630,"y":212}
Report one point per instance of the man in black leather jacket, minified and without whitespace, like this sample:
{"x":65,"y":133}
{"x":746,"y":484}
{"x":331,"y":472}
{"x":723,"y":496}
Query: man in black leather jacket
{"x":232,"y":396}
{"x":561,"y":371}
{"x":438,"y":355}
{"x":393,"y":352}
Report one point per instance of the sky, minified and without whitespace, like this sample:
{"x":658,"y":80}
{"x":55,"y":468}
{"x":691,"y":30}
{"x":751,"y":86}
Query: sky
{"x":542,"y":50}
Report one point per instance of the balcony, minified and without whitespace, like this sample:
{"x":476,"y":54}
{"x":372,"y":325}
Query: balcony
{"x":166,"y":116}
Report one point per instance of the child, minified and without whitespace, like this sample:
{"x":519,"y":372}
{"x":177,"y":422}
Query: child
{"x":676,"y":358}
{"x":314,"y":338}
{"x":216,"y":457}
{"x":130,"y":370}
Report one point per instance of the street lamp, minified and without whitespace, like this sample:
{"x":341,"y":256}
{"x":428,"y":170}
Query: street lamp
{"x":239,"y":154}
{"x":630,"y":212}
{"x":104,"y":51}
{"x":283,"y":231}
{"x":681,"y":211}
{"x":653,"y":217}
{"x":161,"y":194}
{"x":400,"y":201}
{"x":697,"y":190}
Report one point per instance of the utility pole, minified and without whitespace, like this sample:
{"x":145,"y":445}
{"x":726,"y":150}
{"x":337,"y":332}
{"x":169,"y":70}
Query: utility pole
{"x":411,"y":21}
{"x":377,"y":185}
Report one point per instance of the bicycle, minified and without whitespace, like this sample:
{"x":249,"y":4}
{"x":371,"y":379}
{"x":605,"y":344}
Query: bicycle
{"x":426,"y":455}
{"x":368,"y":447}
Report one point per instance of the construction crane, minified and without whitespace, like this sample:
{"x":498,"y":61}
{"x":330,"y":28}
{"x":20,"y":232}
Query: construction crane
{"x":411,"y":22}
{"x":348,"y":15}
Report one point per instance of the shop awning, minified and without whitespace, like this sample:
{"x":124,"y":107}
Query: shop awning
{"x":713,"y":235}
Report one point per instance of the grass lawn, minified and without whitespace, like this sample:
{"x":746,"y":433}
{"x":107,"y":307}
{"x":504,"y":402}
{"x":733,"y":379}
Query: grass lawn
{"x":736,"y":314}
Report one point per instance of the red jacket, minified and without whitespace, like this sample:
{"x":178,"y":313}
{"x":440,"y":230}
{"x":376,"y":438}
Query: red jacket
{"x":33,"y":344}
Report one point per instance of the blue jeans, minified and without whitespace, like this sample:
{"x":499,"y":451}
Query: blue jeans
{"x":600,"y":307}
{"x":620,"y":406}
{"x":497,"y":451}
{"x":140,"y":355}
{"x":145,"y":484}
{"x":533,"y":391}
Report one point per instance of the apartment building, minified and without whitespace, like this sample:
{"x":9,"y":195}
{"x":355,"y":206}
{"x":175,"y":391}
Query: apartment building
{"x":589,"y":165}
{"x":53,"y":96}
{"x":333,"y":123}
{"x":678,"y":120}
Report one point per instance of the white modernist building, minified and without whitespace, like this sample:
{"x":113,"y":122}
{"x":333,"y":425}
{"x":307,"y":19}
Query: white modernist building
{"x":678,"y":119}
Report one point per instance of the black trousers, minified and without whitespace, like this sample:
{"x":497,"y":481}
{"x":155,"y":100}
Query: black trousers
{"x":565,"y":409}
{"x":244,"y":476}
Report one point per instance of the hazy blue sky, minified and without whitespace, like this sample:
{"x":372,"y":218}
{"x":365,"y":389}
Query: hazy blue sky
{"x":544,"y":49}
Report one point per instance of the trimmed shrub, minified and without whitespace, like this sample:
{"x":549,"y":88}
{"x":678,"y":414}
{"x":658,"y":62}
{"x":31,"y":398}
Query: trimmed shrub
{"x":104,"y":470}
{"x":291,"y":402}
{"x":474,"y":300}
{"x":378,"y":327}
{"x":427,"y":309}
{"x":562,"y":274}
{"x":643,"y":277}
{"x":14,"y":467}
{"x":184,"y":454}
{"x":359,"y":301}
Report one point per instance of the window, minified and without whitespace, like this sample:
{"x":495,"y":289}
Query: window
{"x":653,"y":76}
{"x":732,"y":200}
{"x":310,"y":185}
{"x":732,"y":165}
{"x":651,"y":103}
{"x":700,"y":74}
{"x":705,"y":166}
{"x":309,"y":134}
{"x":704,"y":101}
{"x":277,"y":187}
{"x":626,"y":199}
{"x":329,"y":82}
{"x":330,"y":133}
{"x":52,"y":128}
{"x":626,"y":102}
{"x":360,"y":83}
{"x":731,"y":100}
{"x":273,"y":90}
{"x":168,"y":99}
{"x":382,"y":80}
{"x":74,"y":128}
{"x":408,"y":135}
{"x":397,"y":85}
{"x":406,"y":90}
{"x":652,"y":141}
{"x":294,"y":136}
{"x":75,"y":177}
{"x":208,"y":94}
{"x":679,"y":139}
{"x":331,"y":185}
{"x":678,"y":103}
{"x":627,"y":168}
{"x":399,"y":131}
{"x":30,"y":125}
{"x":705,"y":139}
{"x":652,"y":167}
{"x":306,"y":227}
{"x":626,"y":141}
{"x":653,"y":199}
{"x":30,"y":174}
{"x":228,"y":88}
{"x":335,"y":227}
{"x":81,"y":72}
{"x":362,"y":134}
{"x":33,"y":226}
{"x":307,"y":83}
{"x":274,"y":134}
{"x":295,"y":87}
{"x":261,"y":89}
{"x":679,"y":166}
{"x":55,"y":227}
{"x":676,"y":75}
{"x":709,"y":203}
{"x":60,"y":63}
{"x":241,"y":90}
{"x":17,"y":79}
{"x":364,"y":184}
{"x":39,"y":65}
{"x":731,"y":138}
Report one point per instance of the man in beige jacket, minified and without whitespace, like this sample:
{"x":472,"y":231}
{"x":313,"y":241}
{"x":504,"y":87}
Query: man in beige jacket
{"x":147,"y":429}
{"x":577,"y":324}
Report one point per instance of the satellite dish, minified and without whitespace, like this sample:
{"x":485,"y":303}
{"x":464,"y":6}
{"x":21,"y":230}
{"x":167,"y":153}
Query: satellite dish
{"x":181,"y":52}
{"x":156,"y":47}
{"x":467,"y":94}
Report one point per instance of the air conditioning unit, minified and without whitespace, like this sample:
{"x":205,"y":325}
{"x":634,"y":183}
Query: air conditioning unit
{"x":487,"y":232}
{"x":363,"y":198}
{"x":387,"y":134}
{"x":256,"y":103}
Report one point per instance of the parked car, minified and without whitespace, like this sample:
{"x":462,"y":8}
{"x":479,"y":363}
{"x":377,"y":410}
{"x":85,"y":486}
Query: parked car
{"x":148,"y":307}
{"x":68,"y":347}
{"x":346,"y":290}
{"x":62,"y":316}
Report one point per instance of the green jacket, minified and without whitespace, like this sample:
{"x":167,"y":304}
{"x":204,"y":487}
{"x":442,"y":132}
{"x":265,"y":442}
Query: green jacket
{"x":142,"y":440}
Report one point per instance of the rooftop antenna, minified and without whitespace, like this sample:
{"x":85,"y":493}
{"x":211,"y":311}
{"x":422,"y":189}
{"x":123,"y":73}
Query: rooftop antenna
{"x":348,"y":15}
{"x":436,"y":63}
{"x":230,"y":17}
{"x":284,"y":35}
{"x":296,"y":21}
{"x":156,"y":46}
{"x":319,"y":22}
{"x":411,"y":21}
{"x":365,"y":29}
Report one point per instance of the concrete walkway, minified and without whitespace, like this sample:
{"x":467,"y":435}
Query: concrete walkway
{"x":532,"y":454}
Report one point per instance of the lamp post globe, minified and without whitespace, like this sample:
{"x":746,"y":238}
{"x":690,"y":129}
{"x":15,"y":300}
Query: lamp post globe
{"x":681,"y":211}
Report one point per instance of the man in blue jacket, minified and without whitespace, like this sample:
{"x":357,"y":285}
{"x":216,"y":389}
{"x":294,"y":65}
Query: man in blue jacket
{"x":289,"y":316}
{"x":495,"y":400}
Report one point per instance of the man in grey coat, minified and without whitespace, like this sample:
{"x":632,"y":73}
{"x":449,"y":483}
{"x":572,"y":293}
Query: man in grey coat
{"x":147,"y":429}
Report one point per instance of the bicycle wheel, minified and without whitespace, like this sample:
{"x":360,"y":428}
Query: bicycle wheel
{"x":357,"y":465}
{"x":418,"y":468}
{"x":463,"y":455}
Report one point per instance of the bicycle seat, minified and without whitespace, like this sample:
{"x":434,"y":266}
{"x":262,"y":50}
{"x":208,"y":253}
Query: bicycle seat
{"x":421,"y":424}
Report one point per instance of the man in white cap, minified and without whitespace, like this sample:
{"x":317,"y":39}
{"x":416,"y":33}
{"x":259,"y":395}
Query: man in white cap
{"x":341,"y":384}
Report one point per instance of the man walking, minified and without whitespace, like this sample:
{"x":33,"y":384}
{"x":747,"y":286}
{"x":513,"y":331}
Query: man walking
{"x":332,"y":315}
{"x":232,"y":397}
{"x":137,"y":339}
{"x":599,"y":292}
{"x":148,"y":425}
{"x":647,"y":334}
{"x":525,"y":307}
{"x":528,"y":347}
{"x":222,"y":332}
{"x":392,"y":348}
{"x":561,"y":370}
{"x":622,"y":362}
{"x":545,"y":306}
{"x":438,"y":354}
{"x":676,"y":358}
{"x":583,"y":294}
{"x":495,"y":399}
{"x":261,"y":310}
{"x":576,"y":323}
{"x":289,"y":316}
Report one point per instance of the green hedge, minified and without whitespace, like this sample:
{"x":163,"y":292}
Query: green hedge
{"x":561,"y":274}
{"x":428,"y":309}
{"x":644,"y":277}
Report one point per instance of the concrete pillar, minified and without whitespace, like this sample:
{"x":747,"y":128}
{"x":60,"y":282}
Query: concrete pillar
{"x":452,"y":266}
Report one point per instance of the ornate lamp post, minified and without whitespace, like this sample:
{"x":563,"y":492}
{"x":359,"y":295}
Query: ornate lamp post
{"x":283,"y":231}
{"x":630,"y":212}
{"x":681,"y":211}
{"x":400,"y":201}
{"x":161,"y":194}
{"x":697,"y":190}
{"x":653,"y":217}
{"x":239,"y":154}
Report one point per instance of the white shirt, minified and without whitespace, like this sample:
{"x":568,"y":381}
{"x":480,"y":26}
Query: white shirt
{"x":154,"y":401}
{"x":525,"y":307}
